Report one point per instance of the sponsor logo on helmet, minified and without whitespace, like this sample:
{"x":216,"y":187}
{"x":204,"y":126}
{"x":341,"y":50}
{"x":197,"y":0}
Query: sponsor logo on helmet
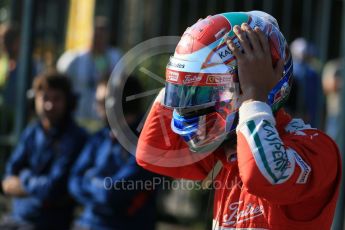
{"x":176,"y":65}
{"x":218,"y":79}
{"x":172,"y":76}
{"x":224,"y":53}
{"x":191,"y":79}
{"x":219,"y":55}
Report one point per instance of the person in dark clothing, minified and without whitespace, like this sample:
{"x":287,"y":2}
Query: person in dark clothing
{"x":107,"y":181}
{"x":37,"y":172}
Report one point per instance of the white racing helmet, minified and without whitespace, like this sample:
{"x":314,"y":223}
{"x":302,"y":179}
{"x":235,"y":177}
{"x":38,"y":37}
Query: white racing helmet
{"x":202,"y":82}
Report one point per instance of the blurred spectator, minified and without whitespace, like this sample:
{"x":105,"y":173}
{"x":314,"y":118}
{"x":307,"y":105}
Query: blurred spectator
{"x":37,"y":171}
{"x":305,"y":95}
{"x":9,"y":43}
{"x":86,"y":69}
{"x":105,"y":179}
{"x":10,"y":46}
{"x":331,"y":83}
{"x":9,"y":65}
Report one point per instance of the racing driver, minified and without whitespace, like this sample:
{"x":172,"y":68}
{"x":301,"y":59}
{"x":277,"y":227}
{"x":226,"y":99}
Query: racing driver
{"x":220,"y":120}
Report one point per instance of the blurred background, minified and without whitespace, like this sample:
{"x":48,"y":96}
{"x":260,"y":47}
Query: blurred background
{"x":38,"y":35}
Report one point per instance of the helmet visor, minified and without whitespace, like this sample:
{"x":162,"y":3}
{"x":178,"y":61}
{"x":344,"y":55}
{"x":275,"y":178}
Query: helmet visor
{"x":189,"y":84}
{"x":182,"y":96}
{"x":186,"y":96}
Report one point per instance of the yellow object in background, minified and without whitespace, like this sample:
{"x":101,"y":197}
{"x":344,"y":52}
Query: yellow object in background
{"x":4,"y":63}
{"x":80,"y":22}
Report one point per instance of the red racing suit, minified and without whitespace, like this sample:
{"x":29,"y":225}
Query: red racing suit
{"x":285,"y":174}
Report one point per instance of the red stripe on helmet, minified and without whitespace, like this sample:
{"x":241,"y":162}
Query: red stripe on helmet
{"x":203,"y":34}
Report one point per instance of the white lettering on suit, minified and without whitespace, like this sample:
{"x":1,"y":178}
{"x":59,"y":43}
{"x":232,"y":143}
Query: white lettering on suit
{"x":237,"y":216}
